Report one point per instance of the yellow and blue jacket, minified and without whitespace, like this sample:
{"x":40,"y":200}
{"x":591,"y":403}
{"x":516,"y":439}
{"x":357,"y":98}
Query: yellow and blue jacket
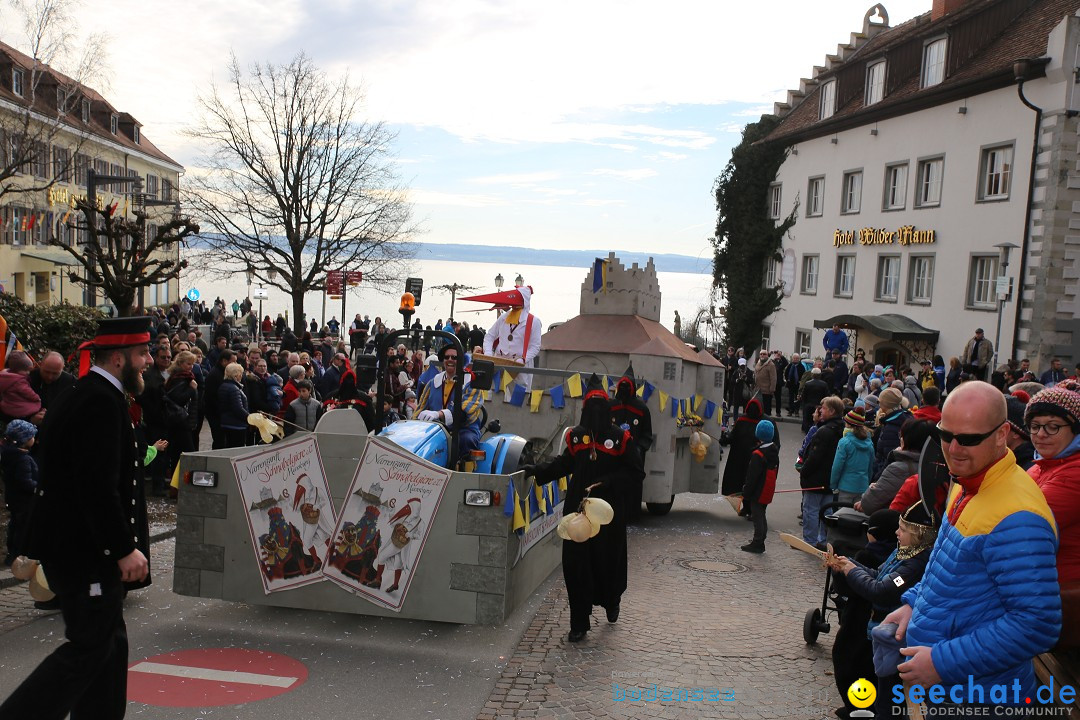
{"x":989,"y":601}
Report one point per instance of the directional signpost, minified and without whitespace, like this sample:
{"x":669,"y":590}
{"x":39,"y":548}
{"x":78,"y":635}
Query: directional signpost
{"x":336,"y":281}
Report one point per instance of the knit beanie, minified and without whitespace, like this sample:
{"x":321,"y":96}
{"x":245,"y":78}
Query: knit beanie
{"x":764,"y":431}
{"x":20,"y":432}
{"x":1062,"y":400}
{"x":883,"y":523}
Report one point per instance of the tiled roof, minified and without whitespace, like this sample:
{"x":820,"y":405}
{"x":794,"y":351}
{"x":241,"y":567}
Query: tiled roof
{"x":100,"y":108}
{"x":991,"y":64}
{"x":621,"y":334}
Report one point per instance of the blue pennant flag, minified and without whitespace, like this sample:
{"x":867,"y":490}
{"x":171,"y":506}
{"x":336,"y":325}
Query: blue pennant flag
{"x":648,"y":391}
{"x":517,"y":398}
{"x":548,"y":499}
{"x":674,"y":408}
{"x":508,"y":504}
{"x":599,"y":275}
{"x":710,"y":409}
{"x":554,"y":494}
{"x":558,"y":397}
{"x":534,"y":506}
{"x":682,"y":406}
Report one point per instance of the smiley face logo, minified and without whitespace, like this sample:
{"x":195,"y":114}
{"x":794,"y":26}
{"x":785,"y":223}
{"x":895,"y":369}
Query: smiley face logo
{"x":862,"y":693}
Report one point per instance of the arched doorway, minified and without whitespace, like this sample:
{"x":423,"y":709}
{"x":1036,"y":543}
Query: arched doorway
{"x":888,"y":353}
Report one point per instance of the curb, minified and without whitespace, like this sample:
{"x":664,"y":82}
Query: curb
{"x":8,"y":580}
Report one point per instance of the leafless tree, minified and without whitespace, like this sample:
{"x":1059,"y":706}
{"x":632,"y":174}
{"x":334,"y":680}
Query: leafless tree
{"x":121,"y":254}
{"x":297,"y":183}
{"x":53,"y":82}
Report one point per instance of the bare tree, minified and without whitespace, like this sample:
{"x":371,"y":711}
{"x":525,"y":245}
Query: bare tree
{"x":297,"y":183}
{"x":120,"y":255}
{"x":47,"y":84}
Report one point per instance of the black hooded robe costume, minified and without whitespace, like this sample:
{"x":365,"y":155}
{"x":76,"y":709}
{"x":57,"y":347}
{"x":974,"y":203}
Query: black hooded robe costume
{"x":596,"y":452}
{"x":629,"y":412}
{"x":743,"y":441}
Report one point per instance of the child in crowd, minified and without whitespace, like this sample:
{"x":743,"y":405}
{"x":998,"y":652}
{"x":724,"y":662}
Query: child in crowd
{"x":303,"y":412}
{"x":20,"y":481}
{"x":761,"y":483}
{"x":854,"y":460}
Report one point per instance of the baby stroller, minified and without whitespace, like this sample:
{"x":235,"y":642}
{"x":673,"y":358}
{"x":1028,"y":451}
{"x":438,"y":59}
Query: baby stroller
{"x":845,"y":530}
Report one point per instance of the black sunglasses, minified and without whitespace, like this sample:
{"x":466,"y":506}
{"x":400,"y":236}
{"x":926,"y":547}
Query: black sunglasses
{"x":966,"y":440}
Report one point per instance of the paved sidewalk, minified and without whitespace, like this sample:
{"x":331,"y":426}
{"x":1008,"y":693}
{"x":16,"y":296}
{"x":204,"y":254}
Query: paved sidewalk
{"x":699,"y":613}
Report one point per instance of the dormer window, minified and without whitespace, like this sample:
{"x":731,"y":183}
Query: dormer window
{"x":828,"y":100}
{"x":114,"y":122}
{"x":135,"y":134}
{"x":875,"y":82}
{"x":86,"y":111}
{"x":17,"y":85}
{"x":61,"y":100}
{"x":933,"y":67}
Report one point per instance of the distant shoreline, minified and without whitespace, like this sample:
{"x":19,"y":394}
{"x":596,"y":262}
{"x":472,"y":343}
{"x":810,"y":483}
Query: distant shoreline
{"x":560,"y":258}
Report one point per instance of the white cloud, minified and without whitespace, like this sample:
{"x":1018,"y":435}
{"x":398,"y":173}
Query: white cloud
{"x":516,"y":178}
{"x":638,"y":174}
{"x":435,"y":197}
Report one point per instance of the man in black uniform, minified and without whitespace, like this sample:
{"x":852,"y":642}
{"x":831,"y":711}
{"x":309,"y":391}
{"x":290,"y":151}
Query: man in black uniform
{"x":599,"y":458}
{"x":630,"y":413}
{"x":86,"y":528}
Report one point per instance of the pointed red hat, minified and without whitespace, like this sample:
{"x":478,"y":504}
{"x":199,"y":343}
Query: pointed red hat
{"x":506,"y":298}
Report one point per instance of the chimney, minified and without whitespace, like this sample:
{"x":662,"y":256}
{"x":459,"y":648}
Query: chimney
{"x":941,"y":8}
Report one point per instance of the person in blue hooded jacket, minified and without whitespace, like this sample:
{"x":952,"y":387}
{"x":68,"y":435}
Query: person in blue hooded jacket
{"x":854,"y":459}
{"x":988,"y":602}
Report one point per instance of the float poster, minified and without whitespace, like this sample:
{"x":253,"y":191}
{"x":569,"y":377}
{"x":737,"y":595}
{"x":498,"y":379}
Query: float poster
{"x":384,"y":523}
{"x":290,"y":514}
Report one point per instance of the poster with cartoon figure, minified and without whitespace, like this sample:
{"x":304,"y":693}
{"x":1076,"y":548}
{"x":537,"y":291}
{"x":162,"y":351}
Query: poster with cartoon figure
{"x":384,"y":523}
{"x":290,"y":514}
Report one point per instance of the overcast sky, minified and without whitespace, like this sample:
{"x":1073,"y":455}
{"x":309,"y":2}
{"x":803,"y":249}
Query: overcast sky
{"x":590,"y":124}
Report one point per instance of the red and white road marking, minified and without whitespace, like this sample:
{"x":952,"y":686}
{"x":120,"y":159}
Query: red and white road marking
{"x":212,"y":677}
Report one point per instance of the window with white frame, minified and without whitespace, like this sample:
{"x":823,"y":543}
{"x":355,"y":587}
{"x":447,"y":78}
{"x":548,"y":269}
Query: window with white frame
{"x":888,"y":278}
{"x":135,"y":134}
{"x":774,"y":201}
{"x":61,"y":164}
{"x":18,"y":85}
{"x":845,"y":276}
{"x":85,"y":111}
{"x":815,"y":195}
{"x":895,"y":187}
{"x":920,"y":279}
{"x":933,"y":67}
{"x":802,"y":342}
{"x":828,"y":100}
{"x":928,"y":187}
{"x":114,"y":124}
{"x":851,"y":198}
{"x":166,"y":189}
{"x":810,"y":271}
{"x":981,"y":278}
{"x":151,"y":185}
{"x":82,"y":165}
{"x":61,"y":99}
{"x":772,"y":272}
{"x":995,"y":172}
{"x":766,"y":333}
{"x":875,"y":82}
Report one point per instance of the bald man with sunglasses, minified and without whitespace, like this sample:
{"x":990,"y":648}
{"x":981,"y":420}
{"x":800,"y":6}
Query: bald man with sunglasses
{"x":988,"y":602}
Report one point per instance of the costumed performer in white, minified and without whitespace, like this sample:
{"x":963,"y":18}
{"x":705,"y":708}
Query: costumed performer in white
{"x":317,"y":514}
{"x":516,"y":334}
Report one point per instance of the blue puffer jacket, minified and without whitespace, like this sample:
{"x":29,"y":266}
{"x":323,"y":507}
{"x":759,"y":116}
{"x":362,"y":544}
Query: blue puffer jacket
{"x":989,"y":601}
{"x":852,"y":464}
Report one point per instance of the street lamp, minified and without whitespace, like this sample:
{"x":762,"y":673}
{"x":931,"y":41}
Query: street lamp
{"x":498,"y":281}
{"x":519,"y":281}
{"x":1004,"y":291}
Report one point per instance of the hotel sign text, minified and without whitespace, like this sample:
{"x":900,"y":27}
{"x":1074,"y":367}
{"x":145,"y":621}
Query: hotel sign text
{"x":906,"y":235}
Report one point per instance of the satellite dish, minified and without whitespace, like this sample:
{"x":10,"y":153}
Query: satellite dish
{"x":933,"y":474}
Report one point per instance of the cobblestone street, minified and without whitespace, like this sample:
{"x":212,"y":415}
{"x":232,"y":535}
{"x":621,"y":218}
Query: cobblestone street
{"x":734,"y":625}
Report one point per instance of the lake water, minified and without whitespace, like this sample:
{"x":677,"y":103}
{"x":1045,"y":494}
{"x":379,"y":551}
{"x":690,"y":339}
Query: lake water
{"x":557,"y":293}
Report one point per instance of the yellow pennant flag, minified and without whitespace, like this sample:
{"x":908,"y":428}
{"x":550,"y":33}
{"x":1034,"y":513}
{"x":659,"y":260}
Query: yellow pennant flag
{"x":641,"y":390}
{"x":562,"y":485}
{"x":519,"y":521}
{"x":507,"y":378}
{"x":720,"y":416}
{"x":176,"y":476}
{"x":573,"y":384}
{"x":486,"y":394}
{"x":534,"y":400}
{"x":541,"y":501}
{"x":697,"y":404}
{"x":604,"y":382}
{"x":525,"y":503}
{"x":663,"y":399}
